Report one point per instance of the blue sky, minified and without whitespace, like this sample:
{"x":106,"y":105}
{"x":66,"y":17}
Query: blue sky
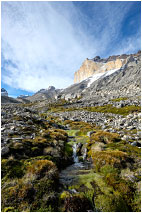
{"x":44,"y":43}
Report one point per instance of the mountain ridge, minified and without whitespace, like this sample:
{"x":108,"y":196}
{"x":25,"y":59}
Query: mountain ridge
{"x":100,"y":80}
{"x":97,"y":65}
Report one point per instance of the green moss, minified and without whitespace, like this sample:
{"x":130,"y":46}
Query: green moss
{"x":110,"y":109}
{"x":119,"y":99}
{"x":108,"y":169}
{"x":72,"y":132}
{"x":131,"y":151}
{"x":45,"y":197}
{"x":68,"y":150}
{"x":82,"y":139}
{"x":88,"y":179}
{"x":39,"y":182}
{"x":136,"y":203}
{"x":12,"y":168}
{"x":111,"y":203}
{"x":17,"y":118}
{"x":89,"y":194}
{"x":64,"y":195}
{"x":46,"y":209}
{"x":12,"y":193}
{"x":133,"y":131}
{"x":9,"y":209}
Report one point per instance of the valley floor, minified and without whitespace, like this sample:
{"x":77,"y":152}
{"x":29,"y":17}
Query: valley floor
{"x":71,"y":158}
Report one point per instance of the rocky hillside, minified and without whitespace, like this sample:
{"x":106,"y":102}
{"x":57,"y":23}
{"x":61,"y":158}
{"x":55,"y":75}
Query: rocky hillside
{"x":44,"y":94}
{"x":111,"y":83}
{"x":6,"y":99}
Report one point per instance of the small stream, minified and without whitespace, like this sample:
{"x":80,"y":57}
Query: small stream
{"x":75,"y":157}
{"x":69,"y":176}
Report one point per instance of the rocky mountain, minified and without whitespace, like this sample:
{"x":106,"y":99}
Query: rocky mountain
{"x":113,"y":82}
{"x":4,"y":92}
{"x":44,"y":94}
{"x":98,"y":65}
{"x":114,"y":76}
{"x":23,"y":96}
{"x":41,"y":95}
{"x":6,"y":99}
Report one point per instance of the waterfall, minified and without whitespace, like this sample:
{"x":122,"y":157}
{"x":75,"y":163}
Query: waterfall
{"x":85,"y":153}
{"x":75,"y":157}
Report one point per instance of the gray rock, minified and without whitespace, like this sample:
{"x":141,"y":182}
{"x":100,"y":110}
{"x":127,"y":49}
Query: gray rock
{"x":5,"y":150}
{"x":134,"y":143}
{"x":90,"y":133}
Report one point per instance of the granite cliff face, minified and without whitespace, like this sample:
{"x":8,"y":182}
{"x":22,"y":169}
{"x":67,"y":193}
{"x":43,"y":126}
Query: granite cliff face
{"x":98,"y":65}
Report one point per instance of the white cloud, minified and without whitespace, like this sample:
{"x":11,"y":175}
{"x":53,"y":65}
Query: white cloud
{"x":48,"y":41}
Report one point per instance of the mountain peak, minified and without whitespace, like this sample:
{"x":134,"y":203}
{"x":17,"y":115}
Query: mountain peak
{"x":51,"y":88}
{"x":97,"y":65}
{"x":4,"y":92}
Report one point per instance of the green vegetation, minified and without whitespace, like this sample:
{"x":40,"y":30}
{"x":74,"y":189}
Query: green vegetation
{"x":74,"y":203}
{"x":38,"y":178}
{"x":119,"y":99}
{"x":72,"y":132}
{"x":63,"y":107}
{"x":30,"y":170}
{"x":105,"y":137}
{"x":115,"y":162}
{"x":68,"y":150}
{"x":115,"y":158}
{"x":110,"y":109}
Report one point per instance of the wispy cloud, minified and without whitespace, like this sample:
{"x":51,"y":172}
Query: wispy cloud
{"x":46,"y":42}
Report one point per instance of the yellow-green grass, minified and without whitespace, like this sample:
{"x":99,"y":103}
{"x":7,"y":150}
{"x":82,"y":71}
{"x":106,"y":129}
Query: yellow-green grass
{"x":110,"y":109}
{"x":119,"y":99}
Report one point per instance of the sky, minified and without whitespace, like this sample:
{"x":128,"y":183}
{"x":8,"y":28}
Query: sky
{"x":44,"y":43}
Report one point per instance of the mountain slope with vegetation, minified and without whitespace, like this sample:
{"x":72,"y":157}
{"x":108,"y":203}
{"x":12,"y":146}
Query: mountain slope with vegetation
{"x":80,"y":151}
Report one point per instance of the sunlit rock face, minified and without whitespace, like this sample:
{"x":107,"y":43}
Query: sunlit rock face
{"x":98,"y":65}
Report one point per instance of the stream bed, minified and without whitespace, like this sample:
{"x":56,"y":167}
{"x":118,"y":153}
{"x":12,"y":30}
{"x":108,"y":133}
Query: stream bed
{"x":69,"y":175}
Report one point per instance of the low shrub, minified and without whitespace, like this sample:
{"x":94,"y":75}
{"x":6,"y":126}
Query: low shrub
{"x":41,"y":168}
{"x":111,"y":203}
{"x":77,"y":203}
{"x":105,"y":137}
{"x":117,"y":159}
{"x":12,"y":168}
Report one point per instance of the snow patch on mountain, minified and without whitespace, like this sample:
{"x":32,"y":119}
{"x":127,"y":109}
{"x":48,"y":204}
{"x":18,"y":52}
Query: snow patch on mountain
{"x":100,"y":75}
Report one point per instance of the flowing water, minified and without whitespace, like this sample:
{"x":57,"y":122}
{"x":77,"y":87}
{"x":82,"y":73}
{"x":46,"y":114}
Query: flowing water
{"x":75,"y":157}
{"x":85,"y":154}
{"x":69,"y":176}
